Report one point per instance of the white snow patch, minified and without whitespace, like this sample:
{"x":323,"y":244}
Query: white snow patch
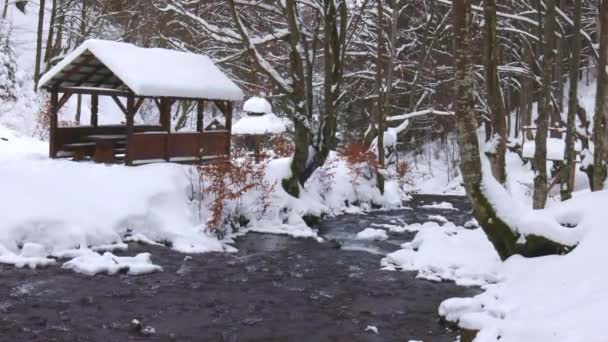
{"x":372,"y":328}
{"x":93,"y":263}
{"x":442,"y":205}
{"x":372,"y":234}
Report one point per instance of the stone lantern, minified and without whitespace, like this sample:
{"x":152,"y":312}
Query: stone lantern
{"x":257,"y":123}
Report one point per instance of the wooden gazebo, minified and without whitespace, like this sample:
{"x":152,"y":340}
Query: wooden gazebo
{"x":130,"y":74}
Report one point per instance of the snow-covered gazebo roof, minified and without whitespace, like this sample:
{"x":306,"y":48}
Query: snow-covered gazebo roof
{"x":121,"y":68}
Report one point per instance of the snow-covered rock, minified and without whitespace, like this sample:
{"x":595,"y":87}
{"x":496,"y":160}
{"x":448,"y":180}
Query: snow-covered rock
{"x":372,"y":234}
{"x":447,"y":252}
{"x":93,"y":263}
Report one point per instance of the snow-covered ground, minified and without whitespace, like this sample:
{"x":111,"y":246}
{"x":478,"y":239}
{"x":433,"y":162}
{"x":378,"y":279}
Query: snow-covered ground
{"x":553,"y":298}
{"x":59,"y":208}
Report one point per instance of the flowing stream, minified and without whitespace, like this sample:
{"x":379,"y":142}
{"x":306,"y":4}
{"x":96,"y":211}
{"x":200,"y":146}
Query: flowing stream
{"x":276,"y":288}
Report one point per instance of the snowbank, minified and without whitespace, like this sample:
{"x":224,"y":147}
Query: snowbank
{"x":554,"y":298}
{"x":447,"y":252}
{"x":64,"y":205}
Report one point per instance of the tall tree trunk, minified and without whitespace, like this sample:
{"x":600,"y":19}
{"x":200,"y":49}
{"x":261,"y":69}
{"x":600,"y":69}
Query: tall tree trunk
{"x":545,"y":107}
{"x":49,"y":40}
{"x":39,"y":43}
{"x":495,"y":98}
{"x":499,"y":233}
{"x":59,"y":29}
{"x":559,"y":66}
{"x":567,"y":185}
{"x":5,"y":9}
{"x":379,"y":107}
{"x":600,"y":121}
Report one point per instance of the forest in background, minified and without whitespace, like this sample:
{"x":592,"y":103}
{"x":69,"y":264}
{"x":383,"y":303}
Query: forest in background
{"x":343,"y":71}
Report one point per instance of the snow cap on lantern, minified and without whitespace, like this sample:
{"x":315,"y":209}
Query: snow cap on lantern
{"x":259,"y":119}
{"x":257,"y":106}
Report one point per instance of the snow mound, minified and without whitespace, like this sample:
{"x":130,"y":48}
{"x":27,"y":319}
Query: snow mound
{"x":63,"y":205}
{"x":553,"y":298}
{"x":93,"y":263}
{"x":447,"y":252}
{"x":257,"y":105}
{"x":31,"y":255}
{"x":372,"y":234}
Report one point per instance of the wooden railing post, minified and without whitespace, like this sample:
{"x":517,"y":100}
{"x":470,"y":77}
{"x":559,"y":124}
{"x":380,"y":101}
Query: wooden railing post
{"x":53,"y":122}
{"x":94,"y":110}
{"x":200,"y":110}
{"x":229,"y":109}
{"x":130,"y":125}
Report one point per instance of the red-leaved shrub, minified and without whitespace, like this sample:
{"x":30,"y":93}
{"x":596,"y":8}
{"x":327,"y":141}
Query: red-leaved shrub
{"x":361,"y":161}
{"x":228,"y":180}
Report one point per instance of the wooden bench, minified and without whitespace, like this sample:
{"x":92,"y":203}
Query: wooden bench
{"x":80,"y":150}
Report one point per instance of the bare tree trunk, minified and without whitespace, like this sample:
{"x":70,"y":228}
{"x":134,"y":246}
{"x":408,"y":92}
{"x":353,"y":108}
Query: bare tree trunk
{"x":37,"y":67}
{"x":600,"y":122}
{"x":379,"y":107}
{"x":559,"y":68}
{"x":5,"y":9}
{"x":49,"y":40}
{"x":545,"y":107}
{"x":59,"y":29}
{"x":567,"y":185}
{"x":495,"y":98}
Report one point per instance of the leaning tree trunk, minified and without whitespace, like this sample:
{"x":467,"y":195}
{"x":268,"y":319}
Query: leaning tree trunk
{"x":567,"y":185}
{"x":542,"y":124}
{"x":495,"y":98}
{"x":600,"y":121}
{"x":499,"y":233}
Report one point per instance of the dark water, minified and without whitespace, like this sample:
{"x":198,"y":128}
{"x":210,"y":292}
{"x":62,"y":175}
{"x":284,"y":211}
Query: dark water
{"x":274,"y":289}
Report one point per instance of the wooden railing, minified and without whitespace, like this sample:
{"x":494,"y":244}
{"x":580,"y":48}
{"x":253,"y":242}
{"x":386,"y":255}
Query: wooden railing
{"x":177,"y":147}
{"x":78,"y":134}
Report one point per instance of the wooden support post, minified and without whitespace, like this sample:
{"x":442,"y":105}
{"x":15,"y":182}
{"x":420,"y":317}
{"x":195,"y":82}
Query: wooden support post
{"x":130,"y":125}
{"x":94,"y":110}
{"x":165,"y":113}
{"x":200,"y":110}
{"x":228,"y":115}
{"x":256,"y":153}
{"x":53,"y":123}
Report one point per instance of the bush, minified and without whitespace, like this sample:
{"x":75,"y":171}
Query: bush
{"x":227,"y":180}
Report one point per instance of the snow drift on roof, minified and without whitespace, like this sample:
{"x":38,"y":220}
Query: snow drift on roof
{"x":155,"y":71}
